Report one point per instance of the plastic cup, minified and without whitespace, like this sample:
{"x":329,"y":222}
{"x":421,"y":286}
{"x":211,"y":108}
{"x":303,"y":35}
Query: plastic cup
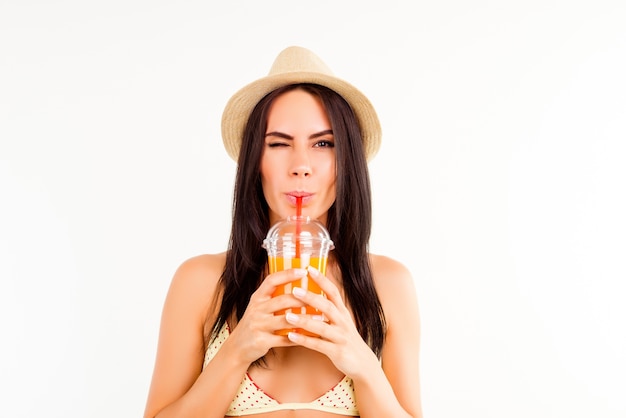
{"x":298,"y":242}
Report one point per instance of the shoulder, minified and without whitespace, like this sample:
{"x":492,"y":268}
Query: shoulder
{"x":202,"y":268}
{"x":195,"y":282}
{"x":400,"y":356}
{"x":394,"y":284}
{"x":200,"y":271}
{"x":390,"y":274}
{"x":181,"y":344}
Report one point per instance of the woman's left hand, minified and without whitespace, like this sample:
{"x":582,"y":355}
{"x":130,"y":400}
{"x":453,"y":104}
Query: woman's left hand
{"x":338,"y":338}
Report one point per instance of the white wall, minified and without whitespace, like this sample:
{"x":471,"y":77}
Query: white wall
{"x":500,"y":184}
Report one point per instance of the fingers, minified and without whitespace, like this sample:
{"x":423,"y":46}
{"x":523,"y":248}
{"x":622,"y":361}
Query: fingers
{"x":282,"y":302}
{"x":329,"y":339}
{"x":283,"y":277}
{"x":274,"y":280}
{"x":313,"y":343}
{"x":329,"y":288}
{"x":269,"y":310}
{"x":317,"y":301}
{"x":315,"y":324}
{"x":331,"y":304}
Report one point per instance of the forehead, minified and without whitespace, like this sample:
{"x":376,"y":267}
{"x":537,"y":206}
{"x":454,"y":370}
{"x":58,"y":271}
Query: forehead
{"x":297,"y":108}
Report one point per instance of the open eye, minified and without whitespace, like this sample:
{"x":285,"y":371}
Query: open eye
{"x":325,"y":143}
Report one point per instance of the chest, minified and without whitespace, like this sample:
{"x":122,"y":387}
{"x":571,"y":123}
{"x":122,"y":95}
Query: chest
{"x":295,"y":374}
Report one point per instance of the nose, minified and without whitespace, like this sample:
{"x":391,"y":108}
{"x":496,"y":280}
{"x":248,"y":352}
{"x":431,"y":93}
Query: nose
{"x":303,"y":170}
{"x":300,"y":164}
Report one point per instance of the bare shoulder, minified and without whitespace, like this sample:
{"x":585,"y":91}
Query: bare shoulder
{"x":180,"y":349}
{"x":390,"y":275}
{"x":201,"y":269}
{"x":395,"y":287}
{"x":400,"y":356}
{"x":195,"y":282}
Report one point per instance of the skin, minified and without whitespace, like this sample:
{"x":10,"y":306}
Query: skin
{"x":299,"y":157}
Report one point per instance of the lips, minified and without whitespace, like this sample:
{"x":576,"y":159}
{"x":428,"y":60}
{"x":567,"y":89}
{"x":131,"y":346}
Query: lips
{"x":306,"y":197}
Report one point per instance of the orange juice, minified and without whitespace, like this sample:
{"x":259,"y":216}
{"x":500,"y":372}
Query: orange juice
{"x":307,"y":283}
{"x":298,"y":242}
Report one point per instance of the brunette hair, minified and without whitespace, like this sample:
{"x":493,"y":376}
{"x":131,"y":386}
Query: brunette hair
{"x":349,"y":219}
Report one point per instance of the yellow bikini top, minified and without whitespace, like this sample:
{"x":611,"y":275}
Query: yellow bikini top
{"x":251,"y":399}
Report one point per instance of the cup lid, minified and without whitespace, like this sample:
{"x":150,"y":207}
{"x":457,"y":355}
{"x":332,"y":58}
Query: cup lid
{"x":302,"y":226}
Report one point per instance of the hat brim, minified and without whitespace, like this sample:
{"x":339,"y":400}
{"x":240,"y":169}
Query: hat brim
{"x":241,"y":104}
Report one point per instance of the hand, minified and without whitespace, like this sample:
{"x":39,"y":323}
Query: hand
{"x":255,"y":334}
{"x":339,"y":339}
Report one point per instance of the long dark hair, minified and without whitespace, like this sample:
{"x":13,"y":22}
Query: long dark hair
{"x":349,"y":219}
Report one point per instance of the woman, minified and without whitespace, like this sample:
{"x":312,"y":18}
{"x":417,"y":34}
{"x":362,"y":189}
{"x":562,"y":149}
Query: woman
{"x":301,"y":133}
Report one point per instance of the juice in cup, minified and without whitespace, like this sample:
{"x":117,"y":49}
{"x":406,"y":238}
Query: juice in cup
{"x":278,"y":264}
{"x":298,"y":242}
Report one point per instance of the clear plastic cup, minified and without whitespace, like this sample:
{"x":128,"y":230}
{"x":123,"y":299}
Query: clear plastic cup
{"x":298,"y":242}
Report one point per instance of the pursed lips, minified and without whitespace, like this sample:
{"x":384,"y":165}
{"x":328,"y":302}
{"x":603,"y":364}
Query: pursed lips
{"x":292,"y":197}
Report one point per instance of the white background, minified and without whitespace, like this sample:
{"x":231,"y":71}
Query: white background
{"x":500,"y":184}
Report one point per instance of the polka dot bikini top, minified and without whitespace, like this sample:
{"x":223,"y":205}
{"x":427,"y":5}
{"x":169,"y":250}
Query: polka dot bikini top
{"x":251,"y":399}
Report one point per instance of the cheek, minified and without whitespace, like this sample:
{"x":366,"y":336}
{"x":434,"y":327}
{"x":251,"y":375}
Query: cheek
{"x":265,"y":171}
{"x":332,"y":183}
{"x":333,"y":191}
{"x":332,"y":175}
{"x":266,"y":177}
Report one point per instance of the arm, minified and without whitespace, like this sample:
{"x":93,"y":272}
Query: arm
{"x":180,"y":388}
{"x":391,"y":390}
{"x":400,"y":357}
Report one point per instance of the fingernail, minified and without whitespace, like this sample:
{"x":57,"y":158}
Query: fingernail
{"x":314,"y":272}
{"x":318,"y":318}
{"x":300,"y":272}
{"x":298,"y":291}
{"x":294,"y":336}
{"x":292,"y":318}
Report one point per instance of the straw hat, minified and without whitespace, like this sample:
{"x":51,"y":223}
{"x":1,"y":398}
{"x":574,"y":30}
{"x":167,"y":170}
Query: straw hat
{"x":297,"y":65}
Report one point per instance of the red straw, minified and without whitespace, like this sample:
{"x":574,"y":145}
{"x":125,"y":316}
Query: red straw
{"x":298,"y":206}
{"x":298,"y":224}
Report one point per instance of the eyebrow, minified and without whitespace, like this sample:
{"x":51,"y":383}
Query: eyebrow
{"x":285,"y":136}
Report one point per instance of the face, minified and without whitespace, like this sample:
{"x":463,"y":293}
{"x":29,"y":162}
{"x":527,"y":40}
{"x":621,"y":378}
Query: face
{"x":298,"y":158}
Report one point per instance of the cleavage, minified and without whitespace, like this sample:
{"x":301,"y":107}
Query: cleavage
{"x":295,"y":374}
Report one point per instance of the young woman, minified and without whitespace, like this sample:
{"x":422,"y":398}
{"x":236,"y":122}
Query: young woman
{"x":301,"y":133}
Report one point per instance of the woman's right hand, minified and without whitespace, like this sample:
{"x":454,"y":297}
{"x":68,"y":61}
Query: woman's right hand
{"x":254,"y":334}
